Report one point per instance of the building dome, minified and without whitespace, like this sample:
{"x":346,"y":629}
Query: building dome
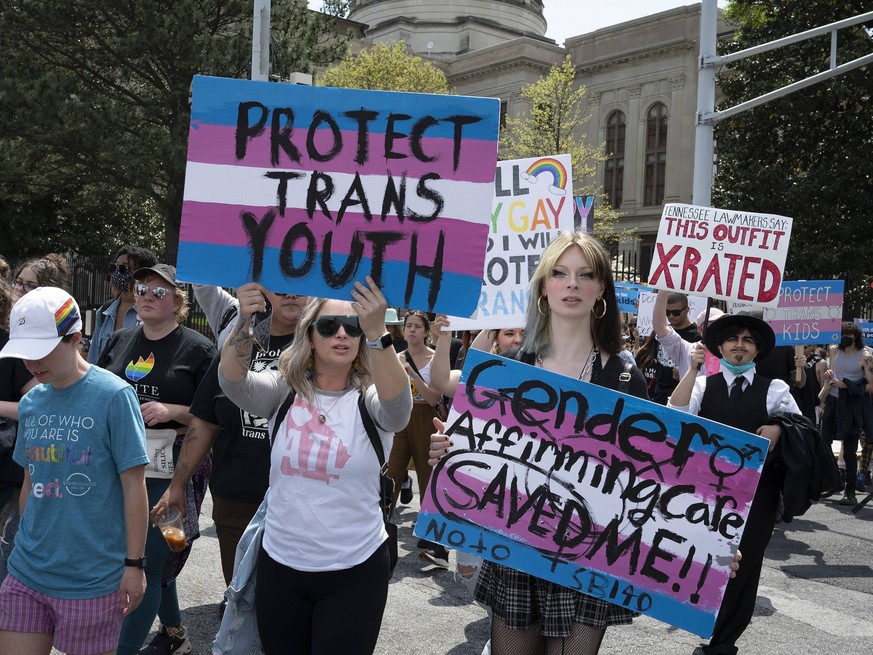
{"x":443,"y":29}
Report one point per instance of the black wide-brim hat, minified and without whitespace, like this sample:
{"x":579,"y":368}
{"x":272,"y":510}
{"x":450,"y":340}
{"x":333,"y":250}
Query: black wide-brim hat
{"x":714,"y":331}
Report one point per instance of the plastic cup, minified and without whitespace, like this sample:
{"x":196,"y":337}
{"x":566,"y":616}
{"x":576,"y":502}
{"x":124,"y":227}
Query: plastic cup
{"x":171,"y":526}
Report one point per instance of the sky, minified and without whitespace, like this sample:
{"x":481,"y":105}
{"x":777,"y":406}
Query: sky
{"x":568,"y":18}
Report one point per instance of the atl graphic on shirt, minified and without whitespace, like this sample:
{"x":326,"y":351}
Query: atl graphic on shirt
{"x":313,"y":449}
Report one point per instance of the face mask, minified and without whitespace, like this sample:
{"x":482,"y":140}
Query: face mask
{"x":733,"y":368}
{"x":845,"y":342}
{"x":119,"y":280}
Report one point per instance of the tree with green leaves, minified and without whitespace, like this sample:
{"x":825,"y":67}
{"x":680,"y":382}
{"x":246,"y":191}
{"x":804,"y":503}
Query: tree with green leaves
{"x":808,"y":155}
{"x":551,"y":126}
{"x":96,"y":104}
{"x":386,"y":67}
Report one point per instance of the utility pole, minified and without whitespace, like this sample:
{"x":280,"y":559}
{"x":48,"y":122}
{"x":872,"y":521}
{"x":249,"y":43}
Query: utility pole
{"x":709,"y":62}
{"x":261,"y":40}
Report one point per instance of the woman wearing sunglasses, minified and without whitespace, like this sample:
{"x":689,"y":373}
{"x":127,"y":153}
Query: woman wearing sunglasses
{"x":323,"y":568}
{"x":120,"y":311}
{"x":165,"y":362}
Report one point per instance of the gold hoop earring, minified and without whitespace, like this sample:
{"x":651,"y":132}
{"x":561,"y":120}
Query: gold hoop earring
{"x":540,"y":309}
{"x":603,"y":313}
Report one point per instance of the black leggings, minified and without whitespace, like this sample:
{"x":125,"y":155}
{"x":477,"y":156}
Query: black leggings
{"x":319,"y":613}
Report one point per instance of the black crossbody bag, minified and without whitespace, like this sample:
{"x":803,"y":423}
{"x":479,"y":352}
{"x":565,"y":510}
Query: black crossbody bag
{"x":386,"y":484}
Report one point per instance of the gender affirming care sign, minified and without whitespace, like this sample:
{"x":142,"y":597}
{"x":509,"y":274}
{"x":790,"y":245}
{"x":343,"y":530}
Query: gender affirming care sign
{"x":721,"y":253}
{"x":616,"y":497}
{"x":809,"y":312}
{"x":533,"y":201}
{"x":308,"y":189}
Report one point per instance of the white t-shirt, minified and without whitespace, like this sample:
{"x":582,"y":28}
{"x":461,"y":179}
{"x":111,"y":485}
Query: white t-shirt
{"x":323,"y":501}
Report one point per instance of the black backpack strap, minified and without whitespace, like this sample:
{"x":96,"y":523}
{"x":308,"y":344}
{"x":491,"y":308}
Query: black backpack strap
{"x":624,"y":378}
{"x":281,"y":413}
{"x":372,"y":432}
{"x":386,"y":484}
{"x":412,"y":363}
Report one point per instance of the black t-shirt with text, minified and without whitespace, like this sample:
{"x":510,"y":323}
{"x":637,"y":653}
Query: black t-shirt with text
{"x":166,"y":370}
{"x":241,"y":454}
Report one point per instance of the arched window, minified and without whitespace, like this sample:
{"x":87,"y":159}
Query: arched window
{"x":613,"y":183}
{"x":656,"y":155}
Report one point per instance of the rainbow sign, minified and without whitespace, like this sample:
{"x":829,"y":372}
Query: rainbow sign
{"x":619,"y":498}
{"x":309,"y":189}
{"x":554,"y":169}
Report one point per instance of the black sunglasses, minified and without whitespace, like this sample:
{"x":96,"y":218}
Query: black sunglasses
{"x":121,"y":268}
{"x":327,"y":326}
{"x":675,"y":312}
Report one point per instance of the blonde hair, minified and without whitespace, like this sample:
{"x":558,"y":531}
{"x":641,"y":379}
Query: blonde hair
{"x":297,"y":367}
{"x":605,"y":330}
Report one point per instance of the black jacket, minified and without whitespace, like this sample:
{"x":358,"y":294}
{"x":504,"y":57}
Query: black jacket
{"x":807,"y":463}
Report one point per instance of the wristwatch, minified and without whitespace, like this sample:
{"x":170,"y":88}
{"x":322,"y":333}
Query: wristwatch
{"x":383,"y":342}
{"x":139,"y":562}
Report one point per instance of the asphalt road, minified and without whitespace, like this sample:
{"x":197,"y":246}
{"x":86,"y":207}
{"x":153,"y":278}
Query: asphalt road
{"x":816,"y":596}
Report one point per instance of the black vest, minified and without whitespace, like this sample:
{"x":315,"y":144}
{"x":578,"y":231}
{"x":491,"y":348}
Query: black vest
{"x":749,"y":415}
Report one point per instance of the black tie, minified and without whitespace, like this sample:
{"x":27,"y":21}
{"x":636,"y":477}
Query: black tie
{"x":737,"y":390}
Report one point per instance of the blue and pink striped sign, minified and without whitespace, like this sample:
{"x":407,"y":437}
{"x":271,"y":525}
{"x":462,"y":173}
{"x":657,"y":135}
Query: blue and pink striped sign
{"x":616,"y":497}
{"x":307,"y":189}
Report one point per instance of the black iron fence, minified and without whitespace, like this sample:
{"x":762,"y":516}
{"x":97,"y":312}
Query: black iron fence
{"x":90,"y":287}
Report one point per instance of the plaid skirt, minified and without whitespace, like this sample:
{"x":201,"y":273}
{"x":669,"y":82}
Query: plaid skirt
{"x":521,"y":601}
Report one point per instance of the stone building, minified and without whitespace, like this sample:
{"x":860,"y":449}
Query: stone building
{"x":640,"y":76}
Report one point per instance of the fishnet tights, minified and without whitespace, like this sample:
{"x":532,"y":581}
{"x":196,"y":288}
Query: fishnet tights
{"x":582,"y":640}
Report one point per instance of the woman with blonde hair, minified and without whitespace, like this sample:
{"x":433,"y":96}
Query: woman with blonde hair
{"x":323,"y":565}
{"x":573,"y":328}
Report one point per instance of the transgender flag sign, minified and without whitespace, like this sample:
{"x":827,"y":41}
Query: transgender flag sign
{"x":308,"y":189}
{"x":613,"y":496}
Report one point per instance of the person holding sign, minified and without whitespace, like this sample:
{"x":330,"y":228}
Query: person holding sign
{"x":323,"y":566}
{"x":573,"y":328}
{"x":738,"y":397}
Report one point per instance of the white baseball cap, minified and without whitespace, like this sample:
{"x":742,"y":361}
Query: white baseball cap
{"x":38,"y":322}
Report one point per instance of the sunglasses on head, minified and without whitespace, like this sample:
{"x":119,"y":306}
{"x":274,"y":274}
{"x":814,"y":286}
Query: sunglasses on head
{"x":157,"y":292}
{"x":327,"y":326}
{"x":675,"y":312}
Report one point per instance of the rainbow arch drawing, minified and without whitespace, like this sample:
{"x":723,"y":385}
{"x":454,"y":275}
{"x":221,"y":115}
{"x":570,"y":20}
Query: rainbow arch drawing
{"x":551,"y":167}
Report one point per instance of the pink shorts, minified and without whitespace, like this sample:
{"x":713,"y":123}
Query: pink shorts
{"x":78,"y":626}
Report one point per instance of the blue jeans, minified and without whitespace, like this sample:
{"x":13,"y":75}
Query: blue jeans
{"x":158,"y":601}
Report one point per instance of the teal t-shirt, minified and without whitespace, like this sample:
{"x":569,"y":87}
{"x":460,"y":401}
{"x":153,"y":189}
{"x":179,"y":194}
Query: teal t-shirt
{"x":75,"y":442}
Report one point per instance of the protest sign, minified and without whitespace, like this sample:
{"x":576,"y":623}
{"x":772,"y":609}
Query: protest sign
{"x":696,"y":304}
{"x":583,"y":218}
{"x":532,"y":203}
{"x":721,"y":253}
{"x":809,"y":312}
{"x":627,"y":295}
{"x":614,"y":496}
{"x":308,"y":189}
{"x":866,"y":330}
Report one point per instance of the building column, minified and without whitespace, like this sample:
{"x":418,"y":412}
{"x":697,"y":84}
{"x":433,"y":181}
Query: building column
{"x":634,"y":150}
{"x":675,"y":161}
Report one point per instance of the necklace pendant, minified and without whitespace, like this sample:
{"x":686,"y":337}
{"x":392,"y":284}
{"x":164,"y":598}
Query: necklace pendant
{"x":322,"y":418}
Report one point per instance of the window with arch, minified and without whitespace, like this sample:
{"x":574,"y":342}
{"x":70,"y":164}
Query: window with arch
{"x":613,"y":182}
{"x":656,"y":155}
